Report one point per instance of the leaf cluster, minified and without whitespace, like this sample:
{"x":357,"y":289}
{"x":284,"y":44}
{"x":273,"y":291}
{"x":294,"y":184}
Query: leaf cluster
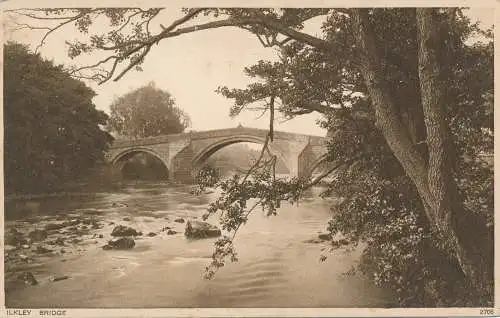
{"x":52,"y":129}
{"x":147,"y":112}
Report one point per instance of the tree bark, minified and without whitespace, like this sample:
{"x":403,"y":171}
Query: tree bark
{"x":386,"y":111}
{"x":433,"y":178}
{"x":448,"y":211}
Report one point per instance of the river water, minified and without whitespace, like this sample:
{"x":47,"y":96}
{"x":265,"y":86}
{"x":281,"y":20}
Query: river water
{"x":277,"y":267}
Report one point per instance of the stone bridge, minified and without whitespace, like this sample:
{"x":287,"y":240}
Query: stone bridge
{"x":185,"y":153}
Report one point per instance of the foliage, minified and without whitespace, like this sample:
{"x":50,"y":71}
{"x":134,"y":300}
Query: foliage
{"x":240,"y":196}
{"x":147,"y":112}
{"x":51,"y":127}
{"x":381,"y":206}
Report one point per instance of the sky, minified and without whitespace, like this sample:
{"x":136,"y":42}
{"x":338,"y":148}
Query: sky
{"x":191,"y":67}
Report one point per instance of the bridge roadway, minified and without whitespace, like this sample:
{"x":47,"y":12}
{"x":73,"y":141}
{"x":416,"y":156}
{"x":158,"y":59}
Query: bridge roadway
{"x":183,"y":154}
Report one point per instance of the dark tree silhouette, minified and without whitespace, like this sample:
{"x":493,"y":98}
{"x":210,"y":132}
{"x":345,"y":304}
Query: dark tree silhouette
{"x":51,"y":127}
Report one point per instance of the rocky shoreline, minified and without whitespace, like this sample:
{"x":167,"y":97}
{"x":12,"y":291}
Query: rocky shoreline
{"x":31,"y":242}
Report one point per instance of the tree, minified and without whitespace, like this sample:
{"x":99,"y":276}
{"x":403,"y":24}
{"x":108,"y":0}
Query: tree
{"x":52,"y":129}
{"x":147,"y":112}
{"x":377,"y":75}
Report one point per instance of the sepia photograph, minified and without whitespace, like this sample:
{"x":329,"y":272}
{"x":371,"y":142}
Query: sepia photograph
{"x":173,"y":156}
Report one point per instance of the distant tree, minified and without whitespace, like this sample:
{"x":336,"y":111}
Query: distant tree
{"x":146,"y":112}
{"x":52,"y":129}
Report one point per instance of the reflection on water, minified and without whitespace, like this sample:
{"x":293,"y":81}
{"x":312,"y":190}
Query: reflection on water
{"x":276,"y":267}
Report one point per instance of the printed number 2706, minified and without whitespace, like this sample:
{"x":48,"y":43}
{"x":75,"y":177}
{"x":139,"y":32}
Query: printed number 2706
{"x":486,"y":312}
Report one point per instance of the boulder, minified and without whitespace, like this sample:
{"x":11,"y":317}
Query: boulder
{"x":15,"y":238}
{"x":28,"y":278}
{"x":37,"y":235}
{"x":101,"y":236}
{"x":199,"y":230}
{"x":9,"y":248}
{"x":121,"y":230}
{"x":107,"y":247}
{"x":72,"y":222}
{"x":325,"y":236}
{"x":179,"y":220}
{"x":151,"y":234}
{"x":123,"y":243}
{"x":72,"y":229}
{"x":88,"y":221}
{"x":171,"y":232}
{"x":58,"y":278}
{"x":119,"y":204}
{"x":314,"y":241}
{"x":55,"y":226}
{"x":41,"y":249}
{"x":58,"y":241}
{"x":96,"y":225}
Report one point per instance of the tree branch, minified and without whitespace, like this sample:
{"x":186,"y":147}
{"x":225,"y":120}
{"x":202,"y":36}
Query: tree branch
{"x":182,"y":20}
{"x":60,"y":25}
{"x":134,"y":62}
{"x":173,"y":30}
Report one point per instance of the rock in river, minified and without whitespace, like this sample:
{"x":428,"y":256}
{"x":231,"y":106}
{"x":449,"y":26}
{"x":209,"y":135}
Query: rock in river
{"x":40,"y":249}
{"x":179,"y":220}
{"x":199,"y":230}
{"x":123,"y":243}
{"x":121,"y":230}
{"x":58,"y":278}
{"x":37,"y":235}
{"x":55,"y":226}
{"x":28,"y":278}
{"x":9,"y":248}
{"x":325,"y":236}
{"x":151,"y":234}
{"x":59,"y":241}
{"x":14,"y":238}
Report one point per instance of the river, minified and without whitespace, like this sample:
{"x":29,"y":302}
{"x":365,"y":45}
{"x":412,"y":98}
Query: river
{"x":277,"y":267}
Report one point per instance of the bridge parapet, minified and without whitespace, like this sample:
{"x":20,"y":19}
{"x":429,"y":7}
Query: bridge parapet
{"x":216,"y":133}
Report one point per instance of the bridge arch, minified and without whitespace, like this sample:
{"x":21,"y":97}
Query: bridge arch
{"x":322,"y":159}
{"x":118,"y":160}
{"x":202,"y":155}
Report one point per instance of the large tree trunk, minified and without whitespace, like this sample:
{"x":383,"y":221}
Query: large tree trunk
{"x":450,"y":215}
{"x":433,"y":177}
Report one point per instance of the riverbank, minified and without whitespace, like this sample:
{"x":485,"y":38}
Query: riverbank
{"x":80,"y":190}
{"x":64,"y":189}
{"x":32,"y":242}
